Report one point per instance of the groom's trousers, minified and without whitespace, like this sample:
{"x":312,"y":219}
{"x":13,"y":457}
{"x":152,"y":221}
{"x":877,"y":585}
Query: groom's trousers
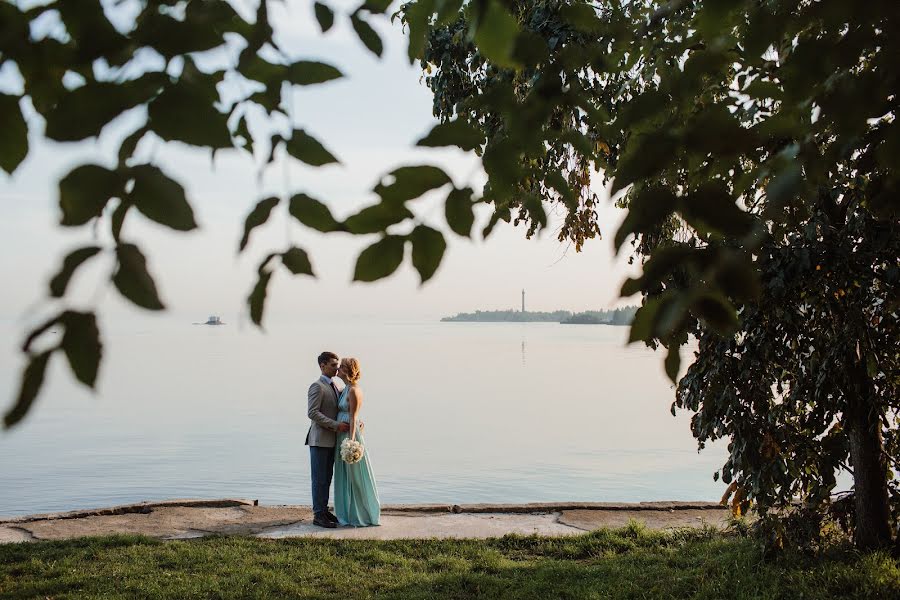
{"x":321,"y":470}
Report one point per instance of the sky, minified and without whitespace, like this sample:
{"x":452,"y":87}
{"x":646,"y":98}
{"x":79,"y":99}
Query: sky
{"x":370,"y":119}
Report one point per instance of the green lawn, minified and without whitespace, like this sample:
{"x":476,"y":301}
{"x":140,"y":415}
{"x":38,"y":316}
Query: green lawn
{"x":627,"y":563}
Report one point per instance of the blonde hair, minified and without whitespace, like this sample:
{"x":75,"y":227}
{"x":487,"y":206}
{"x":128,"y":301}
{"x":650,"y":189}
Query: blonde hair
{"x":351,"y":365}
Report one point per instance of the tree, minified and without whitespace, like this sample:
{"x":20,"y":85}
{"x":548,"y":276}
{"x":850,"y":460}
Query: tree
{"x":754,"y":145}
{"x":738,"y":133}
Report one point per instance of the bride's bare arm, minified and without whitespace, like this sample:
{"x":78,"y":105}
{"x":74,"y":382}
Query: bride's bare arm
{"x":355,"y":400}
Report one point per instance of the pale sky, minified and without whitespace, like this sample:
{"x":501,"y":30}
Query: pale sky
{"x":370,"y":120}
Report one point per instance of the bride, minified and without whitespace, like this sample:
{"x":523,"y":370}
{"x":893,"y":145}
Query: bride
{"x":355,"y":493}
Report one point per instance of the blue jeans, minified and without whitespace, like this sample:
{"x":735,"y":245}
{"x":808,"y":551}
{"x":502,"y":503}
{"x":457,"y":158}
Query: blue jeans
{"x":322,"y":470}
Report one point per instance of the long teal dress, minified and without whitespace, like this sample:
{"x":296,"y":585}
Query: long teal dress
{"x":355,"y":493}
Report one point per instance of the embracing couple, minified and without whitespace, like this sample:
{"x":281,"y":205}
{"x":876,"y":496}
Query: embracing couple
{"x":335,"y":425}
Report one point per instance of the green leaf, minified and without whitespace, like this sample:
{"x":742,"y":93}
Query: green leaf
{"x":503,"y":163}
{"x":70,"y":263}
{"x":306,"y":148}
{"x":411,"y":182}
{"x":716,"y":311}
{"x":81,"y":343}
{"x":534,"y":206}
{"x":96,"y":35}
{"x":762,"y":90}
{"x":501,"y":213}
{"x":711,"y":208}
{"x":376,"y":6}
{"x":377,"y":218}
{"x":713,"y":19}
{"x":132,"y":279}
{"x":380,"y":259}
{"x":581,"y":17}
{"x":173,"y":37}
{"x":14,"y":140}
{"x":417,"y":17}
{"x":118,"y":219}
{"x":716,"y":131}
{"x":297,"y":262}
{"x":85,"y":111}
{"x":737,"y":277}
{"x":309,"y":72}
{"x":258,"y":216}
{"x":160,"y":198}
{"x":367,"y":35}
{"x":706,"y":62}
{"x":129,"y":144}
{"x":257,"y":298}
{"x":496,"y":35}
{"x":530,"y":50}
{"x":670,"y":316}
{"x":454,"y":133}
{"x":647,"y":105}
{"x":644,"y":320}
{"x":312,"y":213}
{"x":647,"y":209}
{"x":447,"y":11}
{"x":459,"y":212}
{"x":428,"y":246}
{"x":673,"y":362}
{"x":32,"y":379}
{"x":557,"y":182}
{"x":84,"y":192}
{"x":661,"y":263}
{"x":324,"y":16}
{"x":268,"y":73}
{"x":763,"y":29}
{"x":784,"y":186}
{"x":185,"y":113}
{"x":645,"y":156}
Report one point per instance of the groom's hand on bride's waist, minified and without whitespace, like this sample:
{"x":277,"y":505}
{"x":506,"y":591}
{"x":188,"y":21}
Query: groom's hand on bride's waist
{"x":342,"y":427}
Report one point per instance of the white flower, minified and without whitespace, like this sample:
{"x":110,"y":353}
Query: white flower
{"x":351,"y":451}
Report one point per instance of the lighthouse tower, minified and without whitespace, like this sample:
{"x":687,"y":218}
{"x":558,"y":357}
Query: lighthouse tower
{"x":523,"y":300}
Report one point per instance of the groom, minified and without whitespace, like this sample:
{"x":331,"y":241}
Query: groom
{"x":322,"y":410}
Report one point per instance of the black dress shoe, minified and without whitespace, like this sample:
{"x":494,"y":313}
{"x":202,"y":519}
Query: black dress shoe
{"x":331,"y":517}
{"x":323,"y":522}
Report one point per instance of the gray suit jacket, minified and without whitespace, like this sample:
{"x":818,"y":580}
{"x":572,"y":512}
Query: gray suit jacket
{"x":322,"y":410}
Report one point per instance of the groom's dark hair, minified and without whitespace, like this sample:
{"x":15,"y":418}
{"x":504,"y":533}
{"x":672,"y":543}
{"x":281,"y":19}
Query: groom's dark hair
{"x":325,"y":357}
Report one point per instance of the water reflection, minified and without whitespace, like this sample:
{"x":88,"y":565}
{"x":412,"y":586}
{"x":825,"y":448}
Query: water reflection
{"x":452,"y":414}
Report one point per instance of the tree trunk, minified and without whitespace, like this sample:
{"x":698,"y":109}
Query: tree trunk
{"x":872,"y":527}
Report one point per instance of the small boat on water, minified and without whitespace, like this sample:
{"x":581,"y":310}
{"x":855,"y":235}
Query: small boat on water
{"x":214,"y":320}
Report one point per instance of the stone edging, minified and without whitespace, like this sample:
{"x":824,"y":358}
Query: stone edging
{"x":140,"y":507}
{"x":532,"y":507}
{"x":549,"y":507}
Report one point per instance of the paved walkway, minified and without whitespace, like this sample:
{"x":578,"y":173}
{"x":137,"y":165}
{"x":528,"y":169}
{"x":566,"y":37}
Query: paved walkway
{"x":184,"y":519}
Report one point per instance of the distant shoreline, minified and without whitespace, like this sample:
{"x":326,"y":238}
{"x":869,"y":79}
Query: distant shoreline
{"x":619,"y":316}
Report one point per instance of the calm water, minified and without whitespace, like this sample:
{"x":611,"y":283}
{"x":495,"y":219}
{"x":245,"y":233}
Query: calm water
{"x":456,"y":412}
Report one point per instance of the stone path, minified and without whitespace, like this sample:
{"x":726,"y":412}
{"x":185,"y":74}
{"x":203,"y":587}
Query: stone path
{"x":184,"y":519}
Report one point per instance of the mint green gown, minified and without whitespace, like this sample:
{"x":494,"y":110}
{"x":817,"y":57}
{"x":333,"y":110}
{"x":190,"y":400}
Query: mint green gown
{"x":355,"y":493}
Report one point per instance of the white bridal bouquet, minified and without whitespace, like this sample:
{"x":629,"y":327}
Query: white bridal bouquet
{"x":351,"y":451}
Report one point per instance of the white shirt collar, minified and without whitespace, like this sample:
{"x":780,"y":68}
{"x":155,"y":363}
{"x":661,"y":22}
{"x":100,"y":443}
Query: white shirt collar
{"x":326,"y":379}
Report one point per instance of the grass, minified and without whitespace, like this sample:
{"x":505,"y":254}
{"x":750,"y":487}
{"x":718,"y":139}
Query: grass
{"x":626,"y":563}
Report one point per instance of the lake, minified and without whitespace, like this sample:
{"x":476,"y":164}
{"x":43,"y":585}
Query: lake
{"x":454,"y":413}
